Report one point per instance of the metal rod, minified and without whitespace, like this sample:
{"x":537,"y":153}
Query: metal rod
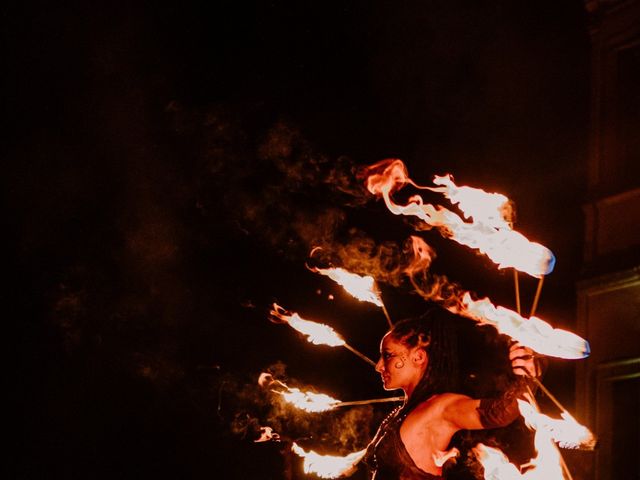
{"x":359,"y":354}
{"x":516,"y":282}
{"x":386,"y":314}
{"x":367,"y":402}
{"x":563,"y":464}
{"x":537,"y":297}
{"x":549,"y":394}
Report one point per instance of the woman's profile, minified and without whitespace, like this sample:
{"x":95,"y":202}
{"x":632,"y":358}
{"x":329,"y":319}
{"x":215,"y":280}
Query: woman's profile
{"x":418,"y":356}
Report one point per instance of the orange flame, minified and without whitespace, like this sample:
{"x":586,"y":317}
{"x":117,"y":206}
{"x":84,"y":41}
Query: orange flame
{"x":267,"y":434}
{"x":423,"y":255}
{"x":308,"y":401}
{"x":440,"y":457}
{"x":328,"y":466}
{"x":489,"y":232}
{"x":361,"y":287}
{"x":496,"y":464}
{"x":566,"y":431}
{"x":492,"y":209}
{"x":317,"y":333}
{"x":534,"y":332}
{"x":545,"y":466}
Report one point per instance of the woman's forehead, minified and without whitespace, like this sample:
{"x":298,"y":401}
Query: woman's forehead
{"x":390,"y":343}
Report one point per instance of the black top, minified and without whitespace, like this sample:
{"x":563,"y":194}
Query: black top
{"x":387,"y":457}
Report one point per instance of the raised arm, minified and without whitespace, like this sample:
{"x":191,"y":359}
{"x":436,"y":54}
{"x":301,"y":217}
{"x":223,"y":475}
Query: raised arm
{"x":474,"y":414}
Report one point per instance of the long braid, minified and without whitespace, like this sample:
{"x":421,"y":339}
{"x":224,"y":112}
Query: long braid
{"x":436,"y":331}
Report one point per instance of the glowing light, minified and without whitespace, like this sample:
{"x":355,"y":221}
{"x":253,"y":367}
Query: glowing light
{"x":327,"y":466}
{"x":267,"y":434}
{"x":317,"y":333}
{"x":309,"y":401}
{"x":545,"y":466}
{"x":566,"y":431}
{"x":496,"y":464}
{"x":361,"y":287}
{"x":534,"y":332}
{"x":440,"y":458}
{"x":489,"y":231}
{"x":492,"y":209}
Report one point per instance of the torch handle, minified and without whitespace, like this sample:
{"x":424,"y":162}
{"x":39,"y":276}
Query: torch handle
{"x":537,"y":297}
{"x":367,"y":402}
{"x":563,"y":464}
{"x":386,"y":314}
{"x":361,"y":355}
{"x":549,"y":394}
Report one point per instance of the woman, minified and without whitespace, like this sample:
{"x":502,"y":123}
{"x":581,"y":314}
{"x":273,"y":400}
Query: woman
{"x":419,"y":357}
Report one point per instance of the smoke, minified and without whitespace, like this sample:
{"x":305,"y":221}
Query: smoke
{"x":246,"y":407}
{"x":269,"y":182}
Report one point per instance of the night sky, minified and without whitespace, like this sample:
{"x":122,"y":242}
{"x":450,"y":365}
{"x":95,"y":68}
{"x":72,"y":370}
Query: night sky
{"x":168,"y":170}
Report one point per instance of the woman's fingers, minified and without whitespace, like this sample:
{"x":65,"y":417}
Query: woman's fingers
{"x":523,"y":360}
{"x":523,"y":367}
{"x":518,"y":351}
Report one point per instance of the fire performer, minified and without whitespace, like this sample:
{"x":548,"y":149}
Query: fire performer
{"x":419,"y":356}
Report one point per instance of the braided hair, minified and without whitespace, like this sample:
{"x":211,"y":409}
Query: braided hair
{"x":435,"y":331}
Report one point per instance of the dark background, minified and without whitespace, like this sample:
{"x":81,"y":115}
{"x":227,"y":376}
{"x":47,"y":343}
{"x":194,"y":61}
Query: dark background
{"x":168,"y":169}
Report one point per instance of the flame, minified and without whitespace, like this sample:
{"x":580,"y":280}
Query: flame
{"x":423,"y":255}
{"x":566,"y":431}
{"x":545,"y":466}
{"x":308,"y":401}
{"x":265,"y":379}
{"x":489,"y":231}
{"x":267,"y":434}
{"x":361,"y":287}
{"x":317,"y":333}
{"x":496,"y":464}
{"x":327,"y":466}
{"x":492,"y":209}
{"x":534,"y":332}
{"x":440,"y":457}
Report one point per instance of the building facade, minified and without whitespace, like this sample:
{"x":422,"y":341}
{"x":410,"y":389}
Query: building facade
{"x":608,"y":383}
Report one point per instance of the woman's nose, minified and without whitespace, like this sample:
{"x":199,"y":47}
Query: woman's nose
{"x":379,"y":365}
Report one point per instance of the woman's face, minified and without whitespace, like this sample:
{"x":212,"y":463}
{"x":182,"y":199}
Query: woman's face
{"x":400,"y":366}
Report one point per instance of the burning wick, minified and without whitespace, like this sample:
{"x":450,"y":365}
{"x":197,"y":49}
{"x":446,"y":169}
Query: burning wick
{"x":313,"y":402}
{"x":368,"y":402}
{"x":317,"y":333}
{"x":534,"y":332}
{"x":307,"y":401}
{"x":489,"y":231}
{"x":440,"y":458}
{"x":566,"y":431}
{"x":267,"y":435}
{"x":360,"y":287}
{"x":327,"y":466}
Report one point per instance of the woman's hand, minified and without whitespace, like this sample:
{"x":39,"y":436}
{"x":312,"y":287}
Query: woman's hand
{"x":523,"y":361}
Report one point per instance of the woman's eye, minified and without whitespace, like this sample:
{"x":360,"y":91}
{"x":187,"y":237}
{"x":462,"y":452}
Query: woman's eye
{"x":387,"y":356}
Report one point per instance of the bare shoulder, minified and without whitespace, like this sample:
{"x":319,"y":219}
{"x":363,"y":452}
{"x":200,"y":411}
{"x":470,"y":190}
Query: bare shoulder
{"x":449,"y":411}
{"x":438,"y":404}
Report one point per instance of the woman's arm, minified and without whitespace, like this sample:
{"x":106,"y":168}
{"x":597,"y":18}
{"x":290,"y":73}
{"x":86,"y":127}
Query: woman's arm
{"x":472,"y":414}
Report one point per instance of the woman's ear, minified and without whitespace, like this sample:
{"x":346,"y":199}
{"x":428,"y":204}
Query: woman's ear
{"x":419,"y":356}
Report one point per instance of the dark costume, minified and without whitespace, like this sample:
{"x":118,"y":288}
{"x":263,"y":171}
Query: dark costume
{"x":387,"y":457}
